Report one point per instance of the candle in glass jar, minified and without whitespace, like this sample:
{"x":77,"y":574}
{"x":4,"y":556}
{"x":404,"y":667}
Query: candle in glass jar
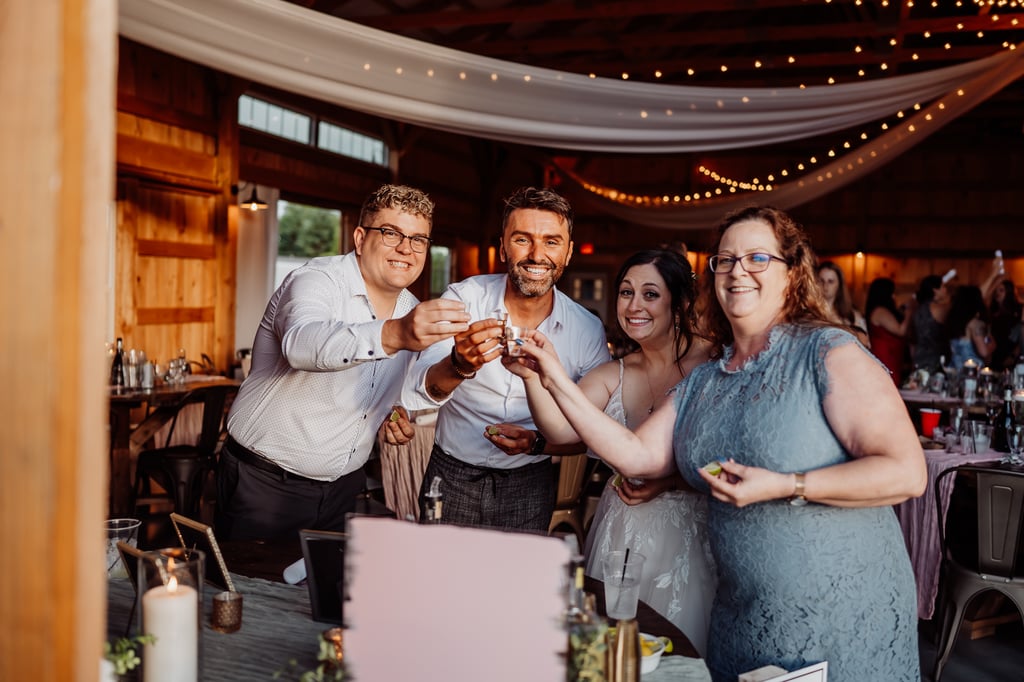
{"x":170,"y":613}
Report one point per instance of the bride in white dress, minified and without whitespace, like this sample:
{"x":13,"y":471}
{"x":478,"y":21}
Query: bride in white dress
{"x":655,"y":293}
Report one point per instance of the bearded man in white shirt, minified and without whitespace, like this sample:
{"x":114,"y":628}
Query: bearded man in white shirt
{"x":330,"y":355}
{"x":495,"y":467}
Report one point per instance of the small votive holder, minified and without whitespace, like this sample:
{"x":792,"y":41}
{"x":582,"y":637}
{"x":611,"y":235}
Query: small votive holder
{"x":226,"y":615}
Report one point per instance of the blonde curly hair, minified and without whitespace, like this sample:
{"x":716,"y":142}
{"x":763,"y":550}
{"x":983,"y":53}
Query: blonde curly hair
{"x":399,"y":197}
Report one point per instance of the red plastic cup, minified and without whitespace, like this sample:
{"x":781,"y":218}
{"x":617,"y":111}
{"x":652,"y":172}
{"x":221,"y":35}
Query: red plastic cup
{"x":929,"y":420}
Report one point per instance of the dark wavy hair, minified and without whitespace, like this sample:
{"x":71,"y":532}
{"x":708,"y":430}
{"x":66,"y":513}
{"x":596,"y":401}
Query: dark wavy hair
{"x":926,"y":290}
{"x":544,"y":199}
{"x":1010,"y":306}
{"x":679,"y":280}
{"x":804,"y":303}
{"x":967,"y":304}
{"x":881,"y":294}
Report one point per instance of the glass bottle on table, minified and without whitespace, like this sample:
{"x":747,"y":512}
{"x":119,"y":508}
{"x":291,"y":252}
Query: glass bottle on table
{"x":588,"y":655}
{"x":1003,"y":424}
{"x":117,"y":365}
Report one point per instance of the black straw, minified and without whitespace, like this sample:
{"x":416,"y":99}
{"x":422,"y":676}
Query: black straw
{"x":625,"y":560}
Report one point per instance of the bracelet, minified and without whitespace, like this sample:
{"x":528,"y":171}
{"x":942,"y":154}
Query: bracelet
{"x":799,"y":499}
{"x":458,"y":370}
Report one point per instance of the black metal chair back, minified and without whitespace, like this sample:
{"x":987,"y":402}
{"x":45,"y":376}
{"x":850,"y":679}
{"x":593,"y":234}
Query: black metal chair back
{"x":999,"y":548}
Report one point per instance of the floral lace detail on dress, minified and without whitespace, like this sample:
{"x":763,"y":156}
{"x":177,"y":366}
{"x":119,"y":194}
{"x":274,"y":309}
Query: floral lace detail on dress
{"x":671,"y":532}
{"x":797,"y":585}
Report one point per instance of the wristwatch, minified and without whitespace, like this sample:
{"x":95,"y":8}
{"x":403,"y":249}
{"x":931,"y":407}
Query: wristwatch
{"x":798,"y":499}
{"x":538,"y":444}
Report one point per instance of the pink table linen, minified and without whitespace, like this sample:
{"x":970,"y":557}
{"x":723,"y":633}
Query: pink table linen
{"x":920,"y":526}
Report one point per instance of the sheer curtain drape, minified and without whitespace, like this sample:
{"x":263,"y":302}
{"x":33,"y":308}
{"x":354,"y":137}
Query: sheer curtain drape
{"x":309,"y":53}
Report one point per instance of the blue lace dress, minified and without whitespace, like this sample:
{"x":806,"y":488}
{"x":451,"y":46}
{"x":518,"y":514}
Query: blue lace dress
{"x":796,"y":585}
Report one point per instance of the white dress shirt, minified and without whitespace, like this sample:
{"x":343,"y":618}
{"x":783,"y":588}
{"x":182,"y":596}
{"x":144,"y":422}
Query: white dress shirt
{"x":495,"y":395}
{"x":321,"y":383}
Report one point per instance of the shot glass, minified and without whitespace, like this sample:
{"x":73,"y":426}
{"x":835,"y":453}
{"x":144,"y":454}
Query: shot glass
{"x":515,"y":337}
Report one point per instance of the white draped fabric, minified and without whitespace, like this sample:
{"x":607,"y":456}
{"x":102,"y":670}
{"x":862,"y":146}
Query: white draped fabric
{"x":309,"y":53}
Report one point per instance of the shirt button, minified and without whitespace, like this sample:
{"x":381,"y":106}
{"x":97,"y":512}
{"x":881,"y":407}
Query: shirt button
{"x":370,"y":353}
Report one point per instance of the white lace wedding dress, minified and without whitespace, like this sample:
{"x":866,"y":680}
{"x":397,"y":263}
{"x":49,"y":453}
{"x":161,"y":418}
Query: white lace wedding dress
{"x":671,"y":532}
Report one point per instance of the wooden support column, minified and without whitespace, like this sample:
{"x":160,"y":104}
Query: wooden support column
{"x":57,"y":80}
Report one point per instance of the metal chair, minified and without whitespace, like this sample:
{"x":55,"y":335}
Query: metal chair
{"x":998,"y":563}
{"x":181,"y":470}
{"x":573,"y":471}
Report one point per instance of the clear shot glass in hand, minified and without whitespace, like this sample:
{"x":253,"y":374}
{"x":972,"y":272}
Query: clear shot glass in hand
{"x":515,"y":337}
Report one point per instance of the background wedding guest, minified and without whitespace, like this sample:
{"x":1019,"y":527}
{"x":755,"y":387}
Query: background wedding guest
{"x":967,"y":328}
{"x":837,"y":295}
{"x":803,"y":442}
{"x":495,"y":466}
{"x":661,"y":518}
{"x":330,"y":356}
{"x":1004,"y":315}
{"x":887,"y":326}
{"x":928,"y":340}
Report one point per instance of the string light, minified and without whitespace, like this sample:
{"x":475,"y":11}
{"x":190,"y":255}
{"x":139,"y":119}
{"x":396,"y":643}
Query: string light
{"x":729,"y":185}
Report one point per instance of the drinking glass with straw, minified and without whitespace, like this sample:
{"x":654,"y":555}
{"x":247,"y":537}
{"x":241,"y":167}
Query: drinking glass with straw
{"x":622,"y":572}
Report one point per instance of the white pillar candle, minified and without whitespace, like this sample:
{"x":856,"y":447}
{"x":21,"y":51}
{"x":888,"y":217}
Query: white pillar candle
{"x":171,"y":614}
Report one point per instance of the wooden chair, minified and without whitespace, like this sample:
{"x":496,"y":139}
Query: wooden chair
{"x":181,"y":470}
{"x":573,"y":472}
{"x":998,"y":563}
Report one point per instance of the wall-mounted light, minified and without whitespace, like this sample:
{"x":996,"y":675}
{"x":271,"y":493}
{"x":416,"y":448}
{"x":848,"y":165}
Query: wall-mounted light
{"x":253,"y":203}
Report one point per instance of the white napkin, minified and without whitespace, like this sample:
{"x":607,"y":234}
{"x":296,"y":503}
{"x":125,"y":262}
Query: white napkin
{"x":295,"y":573}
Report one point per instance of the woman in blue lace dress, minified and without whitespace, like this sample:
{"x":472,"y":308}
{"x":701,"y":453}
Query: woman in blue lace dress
{"x":814,"y":445}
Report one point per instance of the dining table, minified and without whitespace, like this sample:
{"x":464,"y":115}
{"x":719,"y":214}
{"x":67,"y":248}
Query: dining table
{"x":919,"y":521}
{"x":279,"y":636}
{"x":128,"y":436}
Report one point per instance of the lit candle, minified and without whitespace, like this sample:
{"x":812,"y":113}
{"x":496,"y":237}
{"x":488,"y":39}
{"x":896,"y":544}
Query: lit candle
{"x":171,"y":615}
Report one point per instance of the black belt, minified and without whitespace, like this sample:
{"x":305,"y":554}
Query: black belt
{"x":253,"y":459}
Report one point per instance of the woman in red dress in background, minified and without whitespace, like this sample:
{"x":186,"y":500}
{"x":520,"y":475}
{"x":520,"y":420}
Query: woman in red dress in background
{"x":887,"y":326}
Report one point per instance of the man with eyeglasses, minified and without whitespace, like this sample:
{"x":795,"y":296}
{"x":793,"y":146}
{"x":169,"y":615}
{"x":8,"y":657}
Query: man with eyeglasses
{"x":330,"y":355}
{"x":495,"y":467}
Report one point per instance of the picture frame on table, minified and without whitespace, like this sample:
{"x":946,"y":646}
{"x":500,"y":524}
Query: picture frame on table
{"x":323,"y":553}
{"x":195,"y":535}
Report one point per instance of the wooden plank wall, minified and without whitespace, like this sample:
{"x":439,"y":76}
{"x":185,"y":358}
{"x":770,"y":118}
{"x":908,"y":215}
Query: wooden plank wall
{"x":175,"y":253}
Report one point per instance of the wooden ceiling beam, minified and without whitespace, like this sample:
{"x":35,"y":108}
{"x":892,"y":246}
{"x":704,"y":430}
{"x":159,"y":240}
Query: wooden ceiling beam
{"x":791,"y":35}
{"x":547,"y":12}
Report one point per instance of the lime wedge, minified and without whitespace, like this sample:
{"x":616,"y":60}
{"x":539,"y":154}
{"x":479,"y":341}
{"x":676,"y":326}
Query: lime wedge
{"x":714,"y":468}
{"x":492,"y":430}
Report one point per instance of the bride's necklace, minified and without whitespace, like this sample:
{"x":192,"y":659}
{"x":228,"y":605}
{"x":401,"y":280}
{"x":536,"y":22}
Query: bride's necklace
{"x":650,"y":391}
{"x":650,"y":388}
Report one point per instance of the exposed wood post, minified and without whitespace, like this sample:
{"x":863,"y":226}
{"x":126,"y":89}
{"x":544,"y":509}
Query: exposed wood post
{"x":57,"y":77}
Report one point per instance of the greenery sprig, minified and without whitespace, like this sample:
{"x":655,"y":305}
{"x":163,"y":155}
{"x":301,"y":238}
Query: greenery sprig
{"x":123,"y":653}
{"x":329,"y":669}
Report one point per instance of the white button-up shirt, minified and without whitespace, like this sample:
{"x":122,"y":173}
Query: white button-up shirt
{"x":321,"y":383}
{"x":495,"y":395}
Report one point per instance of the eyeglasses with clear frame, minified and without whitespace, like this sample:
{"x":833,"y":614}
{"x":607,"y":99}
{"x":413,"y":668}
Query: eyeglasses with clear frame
{"x":392,"y":237}
{"x":721,"y":264}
